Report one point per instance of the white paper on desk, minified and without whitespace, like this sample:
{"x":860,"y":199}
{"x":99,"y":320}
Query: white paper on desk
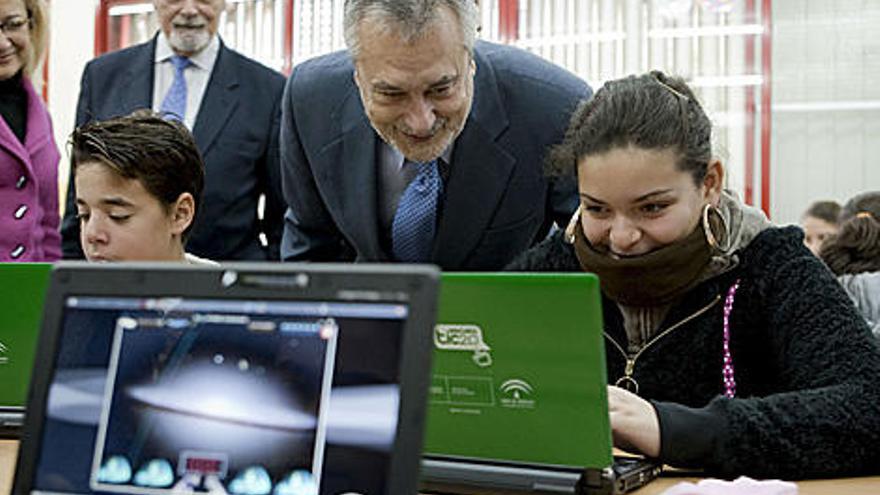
{"x":740,"y":486}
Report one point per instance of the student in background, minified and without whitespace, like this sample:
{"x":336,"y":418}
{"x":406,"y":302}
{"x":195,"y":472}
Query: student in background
{"x":819,"y":223}
{"x":853,"y":254}
{"x":139,"y":180}
{"x":28,"y":153}
{"x":729,"y":346}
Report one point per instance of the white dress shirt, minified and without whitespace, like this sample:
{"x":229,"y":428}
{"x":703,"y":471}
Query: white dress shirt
{"x":197,"y":75}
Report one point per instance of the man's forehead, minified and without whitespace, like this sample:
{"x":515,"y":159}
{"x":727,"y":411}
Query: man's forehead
{"x":398,"y":79}
{"x":443,"y":79}
{"x":405,"y":67}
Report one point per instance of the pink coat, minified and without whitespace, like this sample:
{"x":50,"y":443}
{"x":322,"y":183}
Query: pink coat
{"x":29,"y":188}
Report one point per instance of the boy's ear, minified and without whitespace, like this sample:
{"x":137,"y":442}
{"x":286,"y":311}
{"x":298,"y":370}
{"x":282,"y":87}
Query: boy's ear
{"x":183,"y":212}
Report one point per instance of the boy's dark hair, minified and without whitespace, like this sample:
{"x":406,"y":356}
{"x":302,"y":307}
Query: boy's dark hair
{"x":651,"y":111}
{"x":159,"y":153}
{"x":856,"y":246}
{"x":827,"y":211}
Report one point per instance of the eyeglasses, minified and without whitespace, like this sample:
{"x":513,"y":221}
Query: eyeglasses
{"x":15,"y":25}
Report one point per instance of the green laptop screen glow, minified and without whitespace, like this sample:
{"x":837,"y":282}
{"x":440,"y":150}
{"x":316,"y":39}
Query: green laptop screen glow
{"x":519,"y":370}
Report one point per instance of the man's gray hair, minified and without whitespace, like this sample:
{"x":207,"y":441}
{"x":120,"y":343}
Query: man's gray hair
{"x":408,"y":18}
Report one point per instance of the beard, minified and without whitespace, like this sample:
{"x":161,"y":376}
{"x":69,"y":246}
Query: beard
{"x":189,"y":40}
{"x":442,"y":134}
{"x":423,"y":151}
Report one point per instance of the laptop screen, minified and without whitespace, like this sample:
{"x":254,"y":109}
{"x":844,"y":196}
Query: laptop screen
{"x":22,"y":288}
{"x":246,"y":397}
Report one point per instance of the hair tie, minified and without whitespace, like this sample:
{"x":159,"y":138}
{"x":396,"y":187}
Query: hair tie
{"x":864,"y":214}
{"x":683,"y":102}
{"x":673,"y":90}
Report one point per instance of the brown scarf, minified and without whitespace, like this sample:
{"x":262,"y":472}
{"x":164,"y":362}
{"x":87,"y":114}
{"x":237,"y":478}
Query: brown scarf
{"x":651,"y":279}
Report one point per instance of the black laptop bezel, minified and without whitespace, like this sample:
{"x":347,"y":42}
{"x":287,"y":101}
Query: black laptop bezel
{"x":414,"y":285}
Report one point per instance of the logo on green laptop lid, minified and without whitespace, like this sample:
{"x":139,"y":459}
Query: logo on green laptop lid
{"x":463,"y":338}
{"x":517,"y":393}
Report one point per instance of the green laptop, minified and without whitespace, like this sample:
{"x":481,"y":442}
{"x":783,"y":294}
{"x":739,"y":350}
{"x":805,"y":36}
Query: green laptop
{"x":518,"y":394}
{"x":22,"y":289}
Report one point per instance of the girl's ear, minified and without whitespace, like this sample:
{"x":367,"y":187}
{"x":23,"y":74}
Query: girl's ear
{"x":713,"y":182}
{"x":182,"y":213}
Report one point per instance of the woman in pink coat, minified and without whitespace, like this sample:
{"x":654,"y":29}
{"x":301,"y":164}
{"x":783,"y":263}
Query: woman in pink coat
{"x":28,"y":154}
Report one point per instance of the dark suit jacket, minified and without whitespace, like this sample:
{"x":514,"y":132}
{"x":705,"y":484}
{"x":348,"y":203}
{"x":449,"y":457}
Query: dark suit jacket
{"x":236,"y":130}
{"x":498,"y":201}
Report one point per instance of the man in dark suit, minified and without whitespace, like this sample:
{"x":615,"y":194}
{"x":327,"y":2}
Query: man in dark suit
{"x":419,"y":144}
{"x":231,"y":105}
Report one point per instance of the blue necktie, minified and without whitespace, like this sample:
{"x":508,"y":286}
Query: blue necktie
{"x":413,"y":229}
{"x":174,"y":105}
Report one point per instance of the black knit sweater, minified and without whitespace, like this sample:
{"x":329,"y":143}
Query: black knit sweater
{"x":807,"y":368}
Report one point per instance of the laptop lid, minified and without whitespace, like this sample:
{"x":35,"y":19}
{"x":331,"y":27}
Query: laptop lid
{"x":243,"y":379}
{"x":22,"y":289}
{"x":519,"y":371}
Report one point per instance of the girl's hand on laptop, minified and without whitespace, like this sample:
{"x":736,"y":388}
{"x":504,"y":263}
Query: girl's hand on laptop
{"x":634,"y":423}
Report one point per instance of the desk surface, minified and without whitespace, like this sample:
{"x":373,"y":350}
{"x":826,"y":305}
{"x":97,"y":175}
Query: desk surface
{"x":8,"y":451}
{"x":849,"y":486}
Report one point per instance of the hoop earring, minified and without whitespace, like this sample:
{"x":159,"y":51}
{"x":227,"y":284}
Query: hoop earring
{"x":708,"y":212}
{"x":572,"y":224}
